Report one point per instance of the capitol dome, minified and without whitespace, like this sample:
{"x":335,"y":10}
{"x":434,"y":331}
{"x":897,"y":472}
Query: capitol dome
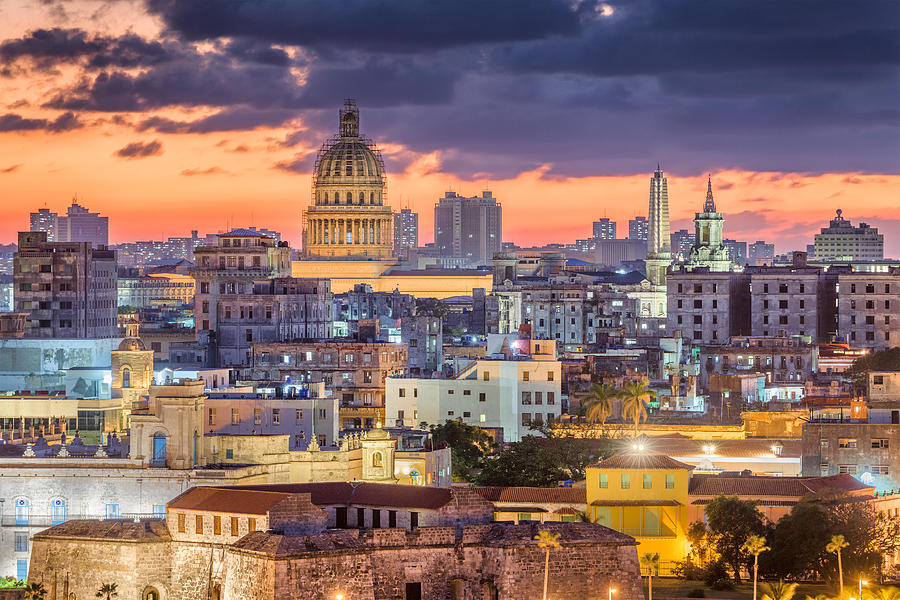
{"x":347,"y":216}
{"x":131,"y":344}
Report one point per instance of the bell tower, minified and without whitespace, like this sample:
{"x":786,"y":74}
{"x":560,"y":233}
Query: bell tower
{"x":131,"y":367}
{"x":349,"y":119}
{"x":378,"y":457}
{"x":708,"y":249}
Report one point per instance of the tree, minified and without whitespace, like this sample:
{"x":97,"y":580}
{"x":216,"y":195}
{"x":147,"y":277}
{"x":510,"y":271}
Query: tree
{"x":542,"y":462}
{"x":730,"y":521}
{"x":837,"y":544}
{"x":598,"y":402}
{"x":885,"y":360}
{"x":468,"y":447}
{"x":107,"y":591}
{"x":431,"y":307}
{"x":35,"y":591}
{"x":547,"y":540}
{"x":650,"y":561}
{"x":755,"y":545}
{"x":779,"y":591}
{"x":633,"y":397}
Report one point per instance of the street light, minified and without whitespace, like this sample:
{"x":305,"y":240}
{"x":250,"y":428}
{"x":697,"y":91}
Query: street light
{"x":862,"y":582}
{"x":611,"y":592}
{"x":339,"y":597}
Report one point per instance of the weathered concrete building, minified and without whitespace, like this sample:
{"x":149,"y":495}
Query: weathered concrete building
{"x":365,"y":541}
{"x":868,"y":309}
{"x":354,"y":371}
{"x":68,"y":288}
{"x":708,"y":308}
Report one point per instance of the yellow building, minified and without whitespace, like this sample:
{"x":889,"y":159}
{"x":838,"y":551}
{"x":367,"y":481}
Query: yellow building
{"x":645,"y":496}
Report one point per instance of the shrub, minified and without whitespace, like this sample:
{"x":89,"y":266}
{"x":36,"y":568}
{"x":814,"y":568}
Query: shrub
{"x":687,"y":569}
{"x":716,"y":576}
{"x":696,"y":593}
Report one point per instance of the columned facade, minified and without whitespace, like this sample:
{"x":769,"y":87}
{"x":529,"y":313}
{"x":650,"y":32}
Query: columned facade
{"x":347,"y":216}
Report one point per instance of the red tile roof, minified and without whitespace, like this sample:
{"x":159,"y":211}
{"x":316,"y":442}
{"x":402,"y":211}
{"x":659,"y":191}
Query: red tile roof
{"x":761,"y":485}
{"x":572,"y":495}
{"x":364,"y":493}
{"x":743,"y":448}
{"x":640,"y":461}
{"x":227,"y":500}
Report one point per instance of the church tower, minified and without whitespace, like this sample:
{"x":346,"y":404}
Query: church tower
{"x":708,"y":250}
{"x":132,"y":370}
{"x":659,"y":251}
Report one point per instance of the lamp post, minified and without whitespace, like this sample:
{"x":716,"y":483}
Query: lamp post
{"x":611,"y":592}
{"x":862,"y":582}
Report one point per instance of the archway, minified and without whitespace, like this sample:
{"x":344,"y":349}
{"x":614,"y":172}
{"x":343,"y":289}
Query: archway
{"x":150,"y":593}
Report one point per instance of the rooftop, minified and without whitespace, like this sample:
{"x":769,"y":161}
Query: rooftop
{"x":570,"y":495}
{"x":110,"y":529}
{"x":640,"y":461}
{"x":761,"y":485}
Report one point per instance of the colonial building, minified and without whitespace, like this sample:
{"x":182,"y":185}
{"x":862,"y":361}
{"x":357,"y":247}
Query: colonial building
{"x":366,"y":540}
{"x":868,"y":308}
{"x":708,"y":250}
{"x":348,"y":216}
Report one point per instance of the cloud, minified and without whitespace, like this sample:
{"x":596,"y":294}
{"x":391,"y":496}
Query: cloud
{"x":9,"y":169}
{"x":209,"y":171}
{"x":137,"y":150}
{"x":374,"y":25}
{"x":237,"y":118}
{"x":65,"y":122}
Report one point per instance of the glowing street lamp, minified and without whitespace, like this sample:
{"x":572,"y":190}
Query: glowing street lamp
{"x":611,"y":592}
{"x":862,"y":582}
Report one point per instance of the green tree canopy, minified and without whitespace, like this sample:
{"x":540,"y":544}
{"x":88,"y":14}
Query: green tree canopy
{"x":885,"y":360}
{"x":468,"y":446}
{"x":542,"y":462}
{"x":730,"y":521}
{"x":431,"y":307}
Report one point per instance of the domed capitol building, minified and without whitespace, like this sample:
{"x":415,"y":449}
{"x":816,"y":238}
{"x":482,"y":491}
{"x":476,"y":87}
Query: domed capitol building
{"x":347,"y":216}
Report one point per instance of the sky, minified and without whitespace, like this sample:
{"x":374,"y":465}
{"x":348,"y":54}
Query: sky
{"x":173,"y":115}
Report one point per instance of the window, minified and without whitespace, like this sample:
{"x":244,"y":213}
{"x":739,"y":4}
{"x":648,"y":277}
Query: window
{"x":413,"y":520}
{"x":626,"y":481}
{"x":525,"y":375}
{"x":22,"y":569}
{"x":551,"y":398}
{"x":526,"y":397}
{"x":486,"y":375}
{"x":482,"y":396}
{"x":648,"y":481}
{"x":234,"y":526}
{"x":550,"y":375}
{"x":212,"y":416}
{"x":217,"y":525}
{"x":257,"y":416}
{"x":604,"y":481}
{"x":846,"y":443}
{"x":181,"y":522}
{"x":880,"y":443}
{"x":229,"y":453}
{"x":21,"y":542}
{"x":112,"y":511}
{"x":670,"y":481}
{"x":849,"y":469}
{"x":251,"y":525}
{"x":235,"y":416}
{"x":526,"y":419}
{"x":198,"y":523}
{"x":879,"y":469}
{"x":276,"y":416}
{"x":376,"y":518}
{"x":402,"y":392}
{"x":159,"y":511}
{"x":126,"y":377}
{"x":466,"y":414}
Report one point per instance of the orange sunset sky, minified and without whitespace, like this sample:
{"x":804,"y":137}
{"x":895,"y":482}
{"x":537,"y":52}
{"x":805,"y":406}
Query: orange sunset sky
{"x":258,"y":173}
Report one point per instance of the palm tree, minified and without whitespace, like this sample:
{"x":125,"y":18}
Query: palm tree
{"x":633,"y":397}
{"x":35,"y":591}
{"x":780,"y":590}
{"x":107,"y":591}
{"x":835,"y":545}
{"x":885,"y":593}
{"x":755,"y":545}
{"x":547,"y":540}
{"x":650,"y":561}
{"x":598,"y":402}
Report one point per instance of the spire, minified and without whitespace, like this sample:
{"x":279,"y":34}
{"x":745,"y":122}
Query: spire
{"x":710,"y":205}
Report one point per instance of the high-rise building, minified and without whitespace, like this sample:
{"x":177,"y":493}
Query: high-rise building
{"x":406,"y":231}
{"x":737,"y":251}
{"x":68,"y":289}
{"x":708,"y":251}
{"x":44,"y":220}
{"x":348,"y":216}
{"x":841,"y":241}
{"x":760,"y":252}
{"x":659,"y":251}
{"x":681,"y":242}
{"x":81,"y":225}
{"x":637,"y":229}
{"x":468,"y":228}
{"x":604,"y":229}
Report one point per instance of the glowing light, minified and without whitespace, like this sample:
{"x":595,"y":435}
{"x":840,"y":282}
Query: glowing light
{"x":606,"y":10}
{"x":709,"y":449}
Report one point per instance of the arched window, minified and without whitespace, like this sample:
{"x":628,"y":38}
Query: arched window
{"x":326,"y":197}
{"x":371,"y":197}
{"x":376,"y":459}
{"x":57,"y":511}
{"x":362,"y":198}
{"x":21,"y":506}
{"x":150,"y":593}
{"x":349,"y":197}
{"x":126,"y":377}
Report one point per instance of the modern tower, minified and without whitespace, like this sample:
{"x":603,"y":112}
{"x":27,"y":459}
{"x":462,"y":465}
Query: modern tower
{"x":659,"y":252}
{"x":841,"y":241}
{"x":708,"y":249}
{"x":82,"y":225}
{"x":637,"y":229}
{"x":604,"y":229}
{"x":44,"y":220}
{"x":468,"y":228}
{"x":348,"y":217}
{"x":406,"y":231}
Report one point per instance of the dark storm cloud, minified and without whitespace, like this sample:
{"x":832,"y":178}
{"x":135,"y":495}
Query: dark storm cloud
{"x":48,"y":48}
{"x":137,"y":150}
{"x":64,"y":122}
{"x":375,"y":25}
{"x":238,"y":118}
{"x":253,"y":51}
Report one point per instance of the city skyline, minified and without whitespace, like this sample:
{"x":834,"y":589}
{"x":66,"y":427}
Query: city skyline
{"x":161,"y":157}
